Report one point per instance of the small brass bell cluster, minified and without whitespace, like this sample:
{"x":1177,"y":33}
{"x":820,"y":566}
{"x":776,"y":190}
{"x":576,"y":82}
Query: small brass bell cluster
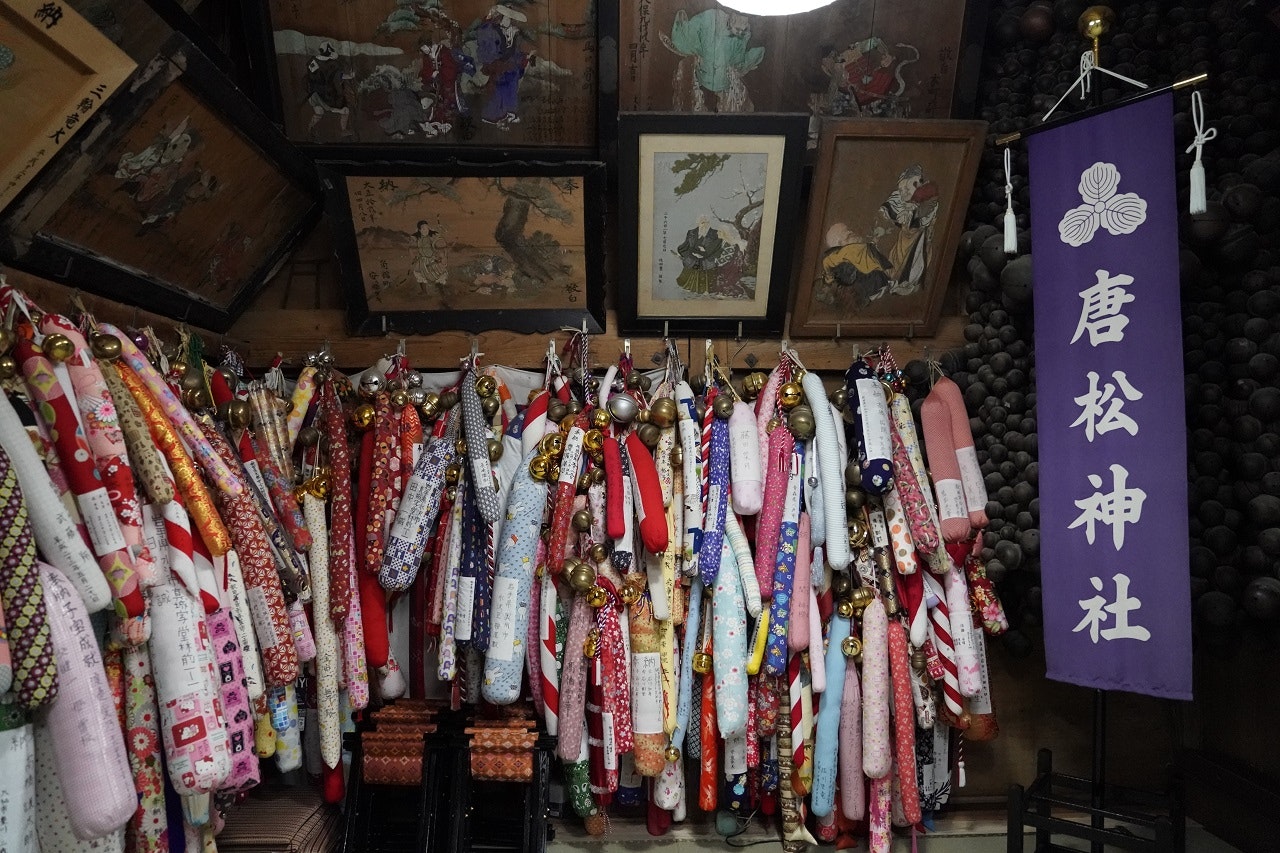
{"x":8,"y":364}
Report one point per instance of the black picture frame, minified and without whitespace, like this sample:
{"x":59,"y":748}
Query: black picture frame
{"x":365,"y":319}
{"x":29,"y":241}
{"x":783,"y":134}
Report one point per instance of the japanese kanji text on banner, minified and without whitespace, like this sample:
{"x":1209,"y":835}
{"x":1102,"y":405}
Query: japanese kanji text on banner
{"x":1112,"y":426}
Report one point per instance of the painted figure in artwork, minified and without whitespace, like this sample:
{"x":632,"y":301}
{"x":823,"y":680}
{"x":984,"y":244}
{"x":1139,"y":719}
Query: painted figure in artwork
{"x":502,"y":62}
{"x":438,"y":72}
{"x":430,"y":268}
{"x":731,"y":265}
{"x":854,"y":270}
{"x":907,"y":219}
{"x":493,"y":274}
{"x":866,"y":79}
{"x":327,"y":88}
{"x":228,"y":267}
{"x":699,"y":254}
{"x":159,"y":178}
{"x":716,"y":52}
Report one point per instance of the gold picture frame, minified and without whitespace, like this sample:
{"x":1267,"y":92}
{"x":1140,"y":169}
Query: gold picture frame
{"x":56,"y":71}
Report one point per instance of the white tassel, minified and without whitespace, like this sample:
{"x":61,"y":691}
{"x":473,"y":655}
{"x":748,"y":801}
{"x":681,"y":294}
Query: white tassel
{"x":1198,"y":197}
{"x":1010,"y":224}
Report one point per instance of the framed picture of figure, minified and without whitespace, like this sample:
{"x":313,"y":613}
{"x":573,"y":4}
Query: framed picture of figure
{"x":428,"y":248}
{"x":849,"y":59}
{"x":179,"y":196}
{"x":56,"y":71}
{"x":442,"y":73}
{"x":885,"y":216}
{"x":706,"y":206}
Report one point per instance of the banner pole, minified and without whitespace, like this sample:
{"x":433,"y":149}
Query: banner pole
{"x":1098,"y":799}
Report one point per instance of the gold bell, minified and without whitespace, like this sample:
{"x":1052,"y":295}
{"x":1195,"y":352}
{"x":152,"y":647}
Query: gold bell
{"x":552,"y":445}
{"x":239,"y":414}
{"x":801,"y":423}
{"x":539,"y":466}
{"x":460,"y":447}
{"x":649,"y":435}
{"x":553,"y":473}
{"x":839,"y":397}
{"x":106,"y":347}
{"x":671,"y":754}
{"x":723,"y":407}
{"x":597,"y":475}
{"x":490,"y":406}
{"x":581,"y":576}
{"x":58,"y":347}
{"x":452,"y":474}
{"x":858,"y":532}
{"x":630,"y":594}
{"x":362,"y":416}
{"x":308,"y":436}
{"x":663,"y":412}
{"x":701,"y":663}
{"x":854,"y":497}
{"x":582,"y":520}
{"x":448,"y":400}
{"x":399,"y":398}
{"x":862,"y":596}
{"x":486,"y":386}
{"x":584,"y":481}
{"x":840,"y":584}
{"x":591,"y":645}
{"x":8,"y":366}
{"x":753,"y":384}
{"x":494,"y":448}
{"x":919,"y":660}
{"x":844,"y":607}
{"x":598,"y":552}
{"x":600,"y":419}
{"x":593,"y":440}
{"x":556,"y":411}
{"x":852,"y":647}
{"x":790,"y":395}
{"x":597,"y":597}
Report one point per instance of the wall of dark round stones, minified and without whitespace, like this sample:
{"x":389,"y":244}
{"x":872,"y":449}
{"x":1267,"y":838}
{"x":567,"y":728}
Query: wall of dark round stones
{"x":1230,"y":285}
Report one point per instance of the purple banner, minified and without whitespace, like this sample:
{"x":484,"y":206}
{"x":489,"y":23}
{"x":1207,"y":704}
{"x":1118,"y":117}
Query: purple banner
{"x":1109,"y":402}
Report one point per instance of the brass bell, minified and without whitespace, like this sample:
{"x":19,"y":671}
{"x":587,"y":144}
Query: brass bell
{"x":630,"y":594}
{"x":663,"y":412}
{"x":852,"y":647}
{"x":701,"y":663}
{"x":308,"y":436}
{"x":597,"y":476}
{"x":448,"y":400}
{"x":633,"y":380}
{"x":453,"y":474}
{"x":568,"y":422}
{"x":556,"y":411}
{"x":858,"y":532}
{"x":106,"y":347}
{"x":8,"y":366}
{"x":490,"y":406}
{"x":460,"y":447}
{"x":677,"y":455}
{"x":844,"y":607}
{"x":8,"y":339}
{"x":600,"y":419}
{"x":494,"y":446}
{"x":393,"y":385}
{"x":399,"y":398}
{"x":919,"y":661}
{"x":593,"y":440}
{"x":790,"y":395}
{"x":801,"y":423}
{"x":582,"y":577}
{"x":58,"y":347}
{"x":753,"y":384}
{"x":644,"y":417}
{"x":862,"y":596}
{"x":582,"y":520}
{"x":840,"y":584}
{"x":195,"y":399}
{"x":362,"y":416}
{"x":430,"y":408}
{"x":722,"y":407}
{"x":773,"y":424}
{"x":623,"y":408}
{"x":229,"y":375}
{"x":538,"y":467}
{"x":839,"y":398}
{"x":649,"y":435}
{"x":192,"y":379}
{"x":853,"y":473}
{"x":598,"y":552}
{"x":671,"y":754}
{"x":552,"y":444}
{"x":591,"y":645}
{"x":584,"y":481}
{"x":854,"y":498}
{"x":574,"y":406}
{"x":553,"y":473}
{"x":486,"y":386}
{"x":240,"y":414}
{"x":597,"y":597}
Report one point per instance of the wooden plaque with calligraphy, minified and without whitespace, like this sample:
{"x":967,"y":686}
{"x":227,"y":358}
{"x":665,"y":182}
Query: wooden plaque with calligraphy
{"x":852,"y":59}
{"x":56,"y":71}
{"x":180,"y":197}
{"x":458,"y":73}
{"x":428,"y":248}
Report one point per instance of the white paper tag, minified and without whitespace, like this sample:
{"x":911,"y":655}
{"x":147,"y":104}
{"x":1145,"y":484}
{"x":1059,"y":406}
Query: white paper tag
{"x":975,"y":487}
{"x":646,"y":693}
{"x":506,"y":613}
{"x":712,"y":521}
{"x":951,"y":503}
{"x":260,"y":613}
{"x":255,"y":474}
{"x":100,"y":518}
{"x":879,"y":529}
{"x":157,"y":539}
{"x":610,"y":744}
{"x":413,"y":506}
{"x":572,"y":456}
{"x":981,"y":702}
{"x":877,"y":441}
{"x":466,"y":603}
{"x":735,"y":756}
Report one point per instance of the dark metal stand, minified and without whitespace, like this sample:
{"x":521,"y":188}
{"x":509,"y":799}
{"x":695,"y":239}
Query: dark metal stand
{"x":1158,"y":817}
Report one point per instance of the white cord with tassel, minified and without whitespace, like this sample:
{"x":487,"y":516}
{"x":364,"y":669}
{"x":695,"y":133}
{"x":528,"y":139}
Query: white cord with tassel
{"x":1010,"y":224}
{"x":1198,"y":200}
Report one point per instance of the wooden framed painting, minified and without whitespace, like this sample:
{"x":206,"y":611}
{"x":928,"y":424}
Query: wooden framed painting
{"x":56,"y":72}
{"x":429,"y":248}
{"x":885,"y":215}
{"x":705,"y":211}
{"x":180,"y":197}
{"x":461,"y":73}
{"x":853,"y":58}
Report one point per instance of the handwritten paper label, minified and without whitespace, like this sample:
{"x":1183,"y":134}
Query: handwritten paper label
{"x":980,"y":703}
{"x":157,"y":540}
{"x":877,"y":441}
{"x":975,"y":488}
{"x":466,"y":603}
{"x":260,"y":613}
{"x":951,"y":503}
{"x":646,"y":693}
{"x":255,"y":474}
{"x":610,"y":744}
{"x":100,"y":518}
{"x":507,"y":610}
{"x":879,"y":529}
{"x":413,"y":508}
{"x":735,"y":756}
